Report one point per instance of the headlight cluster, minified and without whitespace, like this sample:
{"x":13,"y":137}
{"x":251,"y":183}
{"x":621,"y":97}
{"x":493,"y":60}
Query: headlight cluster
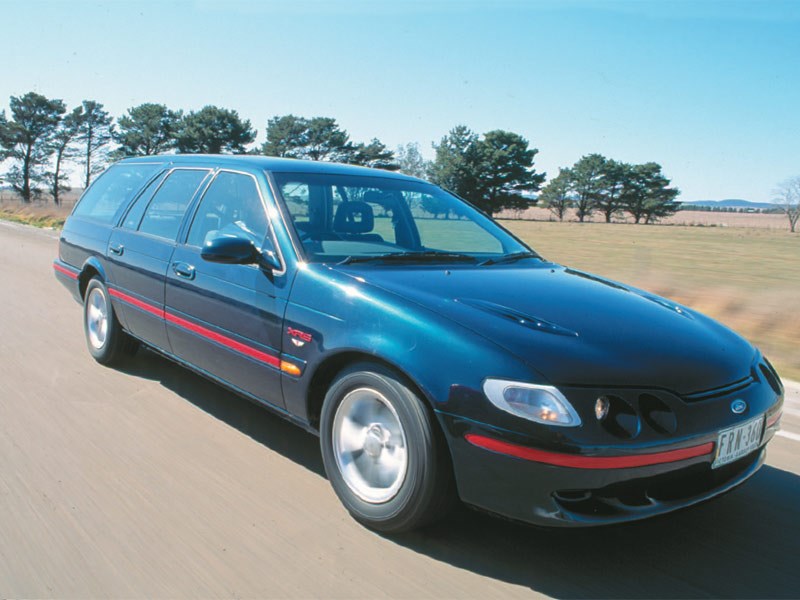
{"x":539,"y":403}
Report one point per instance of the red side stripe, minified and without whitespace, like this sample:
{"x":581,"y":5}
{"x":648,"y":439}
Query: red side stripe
{"x":588,"y":462}
{"x":272,"y":361}
{"x":159,"y":312}
{"x":65,"y":271}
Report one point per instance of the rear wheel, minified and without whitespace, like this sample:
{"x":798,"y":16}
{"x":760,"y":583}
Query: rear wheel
{"x":106,"y":340}
{"x":382,"y":452}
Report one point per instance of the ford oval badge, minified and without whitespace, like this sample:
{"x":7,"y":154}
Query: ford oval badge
{"x":738,"y":406}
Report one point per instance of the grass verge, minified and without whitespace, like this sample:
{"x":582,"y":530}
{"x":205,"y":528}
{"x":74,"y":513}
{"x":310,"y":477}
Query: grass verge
{"x":35,"y":213}
{"x":36,"y":221}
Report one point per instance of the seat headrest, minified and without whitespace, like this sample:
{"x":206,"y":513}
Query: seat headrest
{"x":374,"y":196}
{"x":354,"y":217}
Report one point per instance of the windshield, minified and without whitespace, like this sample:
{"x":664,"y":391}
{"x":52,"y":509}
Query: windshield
{"x":355,"y":218}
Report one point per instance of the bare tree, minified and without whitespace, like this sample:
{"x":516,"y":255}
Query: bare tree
{"x":787,"y":198}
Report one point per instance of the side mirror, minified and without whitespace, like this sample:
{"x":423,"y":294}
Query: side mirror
{"x":235,"y":250}
{"x":270,"y":260}
{"x":230,"y":250}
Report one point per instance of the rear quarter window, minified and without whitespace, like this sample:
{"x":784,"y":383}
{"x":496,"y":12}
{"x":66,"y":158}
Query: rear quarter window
{"x":113,"y":190}
{"x":164,"y":214}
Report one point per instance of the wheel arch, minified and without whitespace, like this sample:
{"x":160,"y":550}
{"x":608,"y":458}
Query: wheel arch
{"x":91,"y":268}
{"x":332,"y":365}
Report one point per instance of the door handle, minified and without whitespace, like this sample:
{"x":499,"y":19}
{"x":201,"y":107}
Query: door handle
{"x":117,"y":249}
{"x":183,"y":269}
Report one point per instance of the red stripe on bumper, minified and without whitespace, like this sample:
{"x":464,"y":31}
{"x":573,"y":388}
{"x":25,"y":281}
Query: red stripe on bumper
{"x":588,"y":462}
{"x":65,"y":271}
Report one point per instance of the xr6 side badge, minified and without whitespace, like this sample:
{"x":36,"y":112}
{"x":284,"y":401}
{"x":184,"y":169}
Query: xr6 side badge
{"x":299,"y":338}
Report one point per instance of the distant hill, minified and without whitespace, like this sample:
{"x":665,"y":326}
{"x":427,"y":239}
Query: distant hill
{"x":729,"y":203}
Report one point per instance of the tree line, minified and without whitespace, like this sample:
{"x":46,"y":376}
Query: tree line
{"x":495,"y":170}
{"x":599,"y":184}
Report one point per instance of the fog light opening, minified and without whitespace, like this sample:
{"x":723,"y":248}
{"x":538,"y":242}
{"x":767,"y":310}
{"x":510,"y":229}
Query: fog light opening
{"x":601,"y":408}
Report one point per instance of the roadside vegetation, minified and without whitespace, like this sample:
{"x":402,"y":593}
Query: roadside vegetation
{"x":35,"y":213}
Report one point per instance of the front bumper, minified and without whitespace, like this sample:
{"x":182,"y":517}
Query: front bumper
{"x":568,"y":496}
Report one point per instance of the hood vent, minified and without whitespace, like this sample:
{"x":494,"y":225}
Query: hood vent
{"x":676,"y":308}
{"x":519,"y":318}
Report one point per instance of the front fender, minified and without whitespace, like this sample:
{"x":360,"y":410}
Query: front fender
{"x":344,"y":314}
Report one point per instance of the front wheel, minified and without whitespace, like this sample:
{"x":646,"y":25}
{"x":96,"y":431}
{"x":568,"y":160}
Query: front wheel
{"x":382,"y":452}
{"x":106,"y":340}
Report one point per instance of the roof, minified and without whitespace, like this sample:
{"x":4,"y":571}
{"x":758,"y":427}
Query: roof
{"x":270,"y":163}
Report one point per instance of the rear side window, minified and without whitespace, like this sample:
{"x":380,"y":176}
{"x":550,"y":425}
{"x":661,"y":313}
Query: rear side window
{"x":136,"y":212}
{"x":164,"y":214}
{"x":112,"y":190}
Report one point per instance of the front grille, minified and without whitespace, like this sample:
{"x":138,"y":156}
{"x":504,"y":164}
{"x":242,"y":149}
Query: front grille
{"x":719,"y":391}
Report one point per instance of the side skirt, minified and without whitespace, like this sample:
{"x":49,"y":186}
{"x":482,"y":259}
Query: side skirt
{"x":277,"y":410}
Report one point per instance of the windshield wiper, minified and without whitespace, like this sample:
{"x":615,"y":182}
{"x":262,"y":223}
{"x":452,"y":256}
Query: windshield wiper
{"x":410,"y":257}
{"x":515,"y":256}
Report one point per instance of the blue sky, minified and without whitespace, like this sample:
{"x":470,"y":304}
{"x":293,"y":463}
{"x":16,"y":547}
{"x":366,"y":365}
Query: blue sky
{"x":711,"y":90}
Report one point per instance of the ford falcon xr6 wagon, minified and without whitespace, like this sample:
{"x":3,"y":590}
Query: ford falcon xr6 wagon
{"x":437,"y":356}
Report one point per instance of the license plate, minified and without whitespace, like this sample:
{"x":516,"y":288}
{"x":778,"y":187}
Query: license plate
{"x":736,"y":442}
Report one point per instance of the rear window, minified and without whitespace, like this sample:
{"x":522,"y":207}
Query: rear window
{"x":112,"y":190}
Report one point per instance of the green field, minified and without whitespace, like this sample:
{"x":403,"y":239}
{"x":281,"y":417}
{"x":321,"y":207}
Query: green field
{"x":747,"y":278}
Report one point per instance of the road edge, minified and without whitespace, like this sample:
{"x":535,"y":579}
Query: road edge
{"x":46,"y":231}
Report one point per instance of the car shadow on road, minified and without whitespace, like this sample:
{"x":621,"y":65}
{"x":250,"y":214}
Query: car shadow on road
{"x":744,"y":545}
{"x":248,"y":417}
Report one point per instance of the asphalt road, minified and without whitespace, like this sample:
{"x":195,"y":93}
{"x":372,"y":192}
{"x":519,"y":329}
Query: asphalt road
{"x":152,"y":482}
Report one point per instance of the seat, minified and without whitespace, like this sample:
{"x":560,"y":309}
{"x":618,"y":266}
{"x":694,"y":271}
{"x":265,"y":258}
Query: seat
{"x":355,"y":220}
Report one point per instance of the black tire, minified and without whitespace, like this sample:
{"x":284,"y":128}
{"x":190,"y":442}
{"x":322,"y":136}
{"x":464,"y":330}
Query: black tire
{"x":107,"y":344}
{"x":426,"y":489}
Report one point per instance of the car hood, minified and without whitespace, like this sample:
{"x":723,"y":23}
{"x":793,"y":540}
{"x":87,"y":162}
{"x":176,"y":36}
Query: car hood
{"x":575,"y":328}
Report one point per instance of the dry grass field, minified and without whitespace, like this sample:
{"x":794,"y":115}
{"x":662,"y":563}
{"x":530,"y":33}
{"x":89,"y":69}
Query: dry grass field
{"x":694,"y":218}
{"x":41,"y":213}
{"x":747,"y":275}
{"x":748,"y":278}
